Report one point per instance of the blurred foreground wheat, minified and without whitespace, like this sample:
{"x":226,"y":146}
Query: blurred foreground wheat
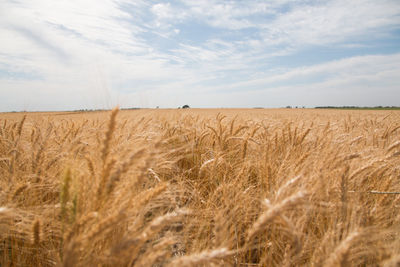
{"x":194,"y":188}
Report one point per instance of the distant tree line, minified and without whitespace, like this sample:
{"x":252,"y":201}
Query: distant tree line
{"x":357,"y":107}
{"x":100,"y":109}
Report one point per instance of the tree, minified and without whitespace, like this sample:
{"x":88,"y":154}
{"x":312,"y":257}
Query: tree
{"x":186,"y":106}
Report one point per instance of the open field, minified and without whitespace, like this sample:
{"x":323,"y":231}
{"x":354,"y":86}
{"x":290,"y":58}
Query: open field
{"x":228,"y":187}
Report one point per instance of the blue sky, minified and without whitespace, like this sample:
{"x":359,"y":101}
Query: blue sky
{"x":63,"y":55}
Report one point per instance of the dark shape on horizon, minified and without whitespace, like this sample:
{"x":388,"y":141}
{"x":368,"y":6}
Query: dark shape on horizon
{"x":185,"y":106}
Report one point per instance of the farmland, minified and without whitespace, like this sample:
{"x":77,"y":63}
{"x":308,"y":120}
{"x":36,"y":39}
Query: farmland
{"x":230,"y":187}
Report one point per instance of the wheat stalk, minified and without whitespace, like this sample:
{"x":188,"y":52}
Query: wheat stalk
{"x":202,"y":258}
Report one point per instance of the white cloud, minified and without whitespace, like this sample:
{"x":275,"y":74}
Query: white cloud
{"x":333,"y":22}
{"x":229,"y":15}
{"x":67,"y":54}
{"x":376,"y":73}
{"x":162,"y":11}
{"x":73,"y":48}
{"x":166,"y":17}
{"x":299,"y":23}
{"x":281,"y":28}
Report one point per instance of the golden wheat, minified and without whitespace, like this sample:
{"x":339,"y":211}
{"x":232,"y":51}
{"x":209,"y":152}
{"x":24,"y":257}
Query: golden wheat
{"x":200,"y":188}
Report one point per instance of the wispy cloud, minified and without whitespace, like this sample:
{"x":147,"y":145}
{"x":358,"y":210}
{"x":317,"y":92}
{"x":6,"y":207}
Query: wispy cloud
{"x":96,"y":54}
{"x":335,"y":22}
{"x":379,"y":68}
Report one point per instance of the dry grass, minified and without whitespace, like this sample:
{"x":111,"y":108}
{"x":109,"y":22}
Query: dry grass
{"x":200,"y":187}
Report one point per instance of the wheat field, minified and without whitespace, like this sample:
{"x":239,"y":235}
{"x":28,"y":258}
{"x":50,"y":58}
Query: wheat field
{"x":226,"y":187}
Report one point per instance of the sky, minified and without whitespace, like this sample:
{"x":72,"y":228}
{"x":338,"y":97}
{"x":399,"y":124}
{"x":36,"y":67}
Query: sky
{"x":87,"y":54}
